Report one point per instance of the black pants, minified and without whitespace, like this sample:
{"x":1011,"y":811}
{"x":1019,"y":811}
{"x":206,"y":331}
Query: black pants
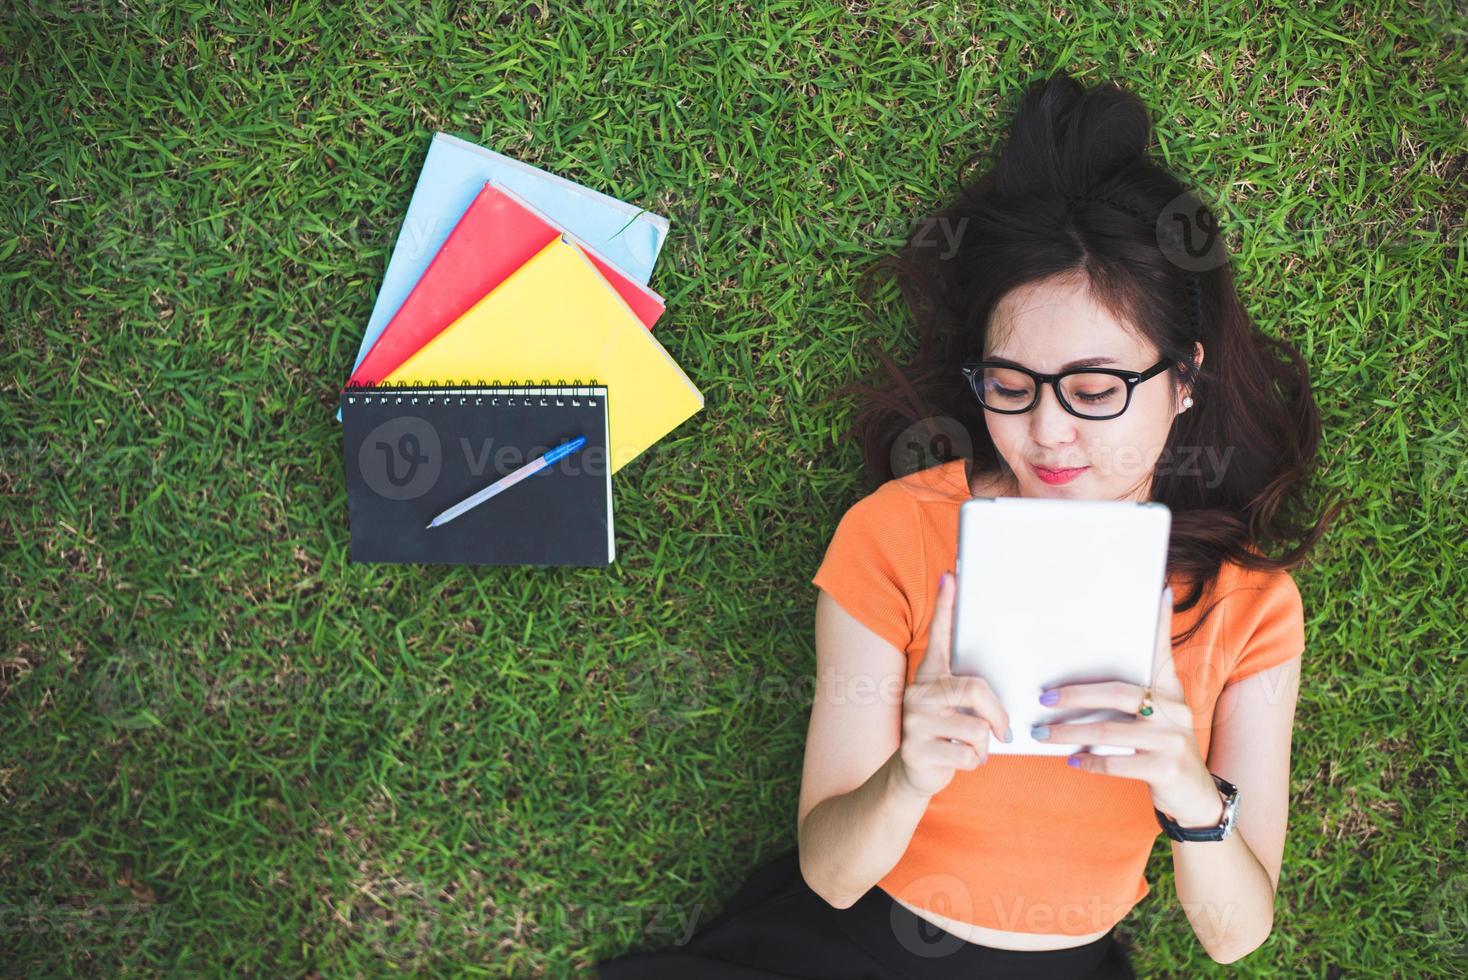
{"x":777,"y":927}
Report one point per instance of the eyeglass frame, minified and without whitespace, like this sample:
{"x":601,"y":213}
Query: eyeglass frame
{"x":970,"y":369}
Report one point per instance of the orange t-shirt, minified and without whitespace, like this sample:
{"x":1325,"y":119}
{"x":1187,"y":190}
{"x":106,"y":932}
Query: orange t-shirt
{"x":1026,"y":843}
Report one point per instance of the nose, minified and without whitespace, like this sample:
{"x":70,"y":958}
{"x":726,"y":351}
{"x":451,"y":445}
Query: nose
{"x":1050,"y":423}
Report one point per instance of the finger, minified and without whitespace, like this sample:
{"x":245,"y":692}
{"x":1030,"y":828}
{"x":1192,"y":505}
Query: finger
{"x":948,"y":691}
{"x":1129,"y":766}
{"x":936,"y":661}
{"x":977,"y":696}
{"x":967,"y":695}
{"x":1139,"y":736}
{"x":1125,"y":697}
{"x":953,"y":724}
{"x":959,"y":755}
{"x":1118,"y":695}
{"x":1164,"y":671}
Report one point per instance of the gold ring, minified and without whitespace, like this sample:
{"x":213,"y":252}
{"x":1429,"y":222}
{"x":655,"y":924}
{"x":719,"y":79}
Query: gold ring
{"x":1146,"y":707}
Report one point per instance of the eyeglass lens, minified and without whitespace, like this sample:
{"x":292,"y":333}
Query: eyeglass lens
{"x":1088,"y":393}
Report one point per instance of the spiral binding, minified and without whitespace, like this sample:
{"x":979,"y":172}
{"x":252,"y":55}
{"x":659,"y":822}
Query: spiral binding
{"x":451,"y":391}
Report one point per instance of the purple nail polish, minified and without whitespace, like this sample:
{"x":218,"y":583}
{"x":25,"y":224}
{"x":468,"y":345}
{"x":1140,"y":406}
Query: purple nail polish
{"x":1050,"y":697}
{"x":1074,"y":760}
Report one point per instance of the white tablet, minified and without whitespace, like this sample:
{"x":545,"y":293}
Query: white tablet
{"x":1054,"y":591}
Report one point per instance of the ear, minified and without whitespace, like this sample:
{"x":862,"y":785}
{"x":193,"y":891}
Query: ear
{"x":1186,"y":390}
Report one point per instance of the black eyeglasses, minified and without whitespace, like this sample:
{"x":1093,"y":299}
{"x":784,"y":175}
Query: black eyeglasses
{"x":1087,"y":393}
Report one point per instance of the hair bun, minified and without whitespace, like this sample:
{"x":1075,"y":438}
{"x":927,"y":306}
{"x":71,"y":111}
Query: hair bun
{"x":1069,"y":139}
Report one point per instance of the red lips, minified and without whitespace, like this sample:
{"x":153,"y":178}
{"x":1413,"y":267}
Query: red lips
{"x":1058,"y":477}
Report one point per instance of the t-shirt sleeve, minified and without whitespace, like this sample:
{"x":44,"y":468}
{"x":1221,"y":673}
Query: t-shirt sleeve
{"x":873,"y":566}
{"x":1275,"y":628}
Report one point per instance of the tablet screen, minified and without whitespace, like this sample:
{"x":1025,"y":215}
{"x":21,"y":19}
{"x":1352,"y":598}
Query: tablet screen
{"x":1055,"y":591}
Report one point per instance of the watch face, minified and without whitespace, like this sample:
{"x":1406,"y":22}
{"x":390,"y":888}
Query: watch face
{"x":1228,"y":815}
{"x":1231,"y":804}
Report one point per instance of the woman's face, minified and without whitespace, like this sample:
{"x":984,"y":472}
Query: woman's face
{"x":1045,"y":327}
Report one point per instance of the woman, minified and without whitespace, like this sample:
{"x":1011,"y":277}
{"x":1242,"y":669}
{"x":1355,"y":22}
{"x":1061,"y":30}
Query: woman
{"x":918,"y":854}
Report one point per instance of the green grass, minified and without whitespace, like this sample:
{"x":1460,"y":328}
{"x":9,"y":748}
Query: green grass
{"x":228,"y":749}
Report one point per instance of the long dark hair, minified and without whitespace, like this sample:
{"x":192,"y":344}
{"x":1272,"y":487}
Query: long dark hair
{"x":1074,"y":193}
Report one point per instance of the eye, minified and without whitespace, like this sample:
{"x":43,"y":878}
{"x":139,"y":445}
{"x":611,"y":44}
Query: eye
{"x":1092,"y":398}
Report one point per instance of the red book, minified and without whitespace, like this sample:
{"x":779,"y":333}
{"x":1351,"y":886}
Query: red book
{"x":496,"y":235}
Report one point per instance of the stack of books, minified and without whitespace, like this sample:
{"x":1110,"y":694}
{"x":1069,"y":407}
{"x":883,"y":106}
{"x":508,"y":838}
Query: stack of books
{"x":514,"y":326}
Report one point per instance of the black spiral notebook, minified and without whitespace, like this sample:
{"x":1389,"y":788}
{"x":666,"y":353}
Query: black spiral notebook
{"x":411,"y":452}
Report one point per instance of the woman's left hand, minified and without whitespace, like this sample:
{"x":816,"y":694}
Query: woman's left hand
{"x":1167,"y":757}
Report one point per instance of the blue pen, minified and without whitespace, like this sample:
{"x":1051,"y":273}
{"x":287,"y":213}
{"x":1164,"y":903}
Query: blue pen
{"x":509,"y":480}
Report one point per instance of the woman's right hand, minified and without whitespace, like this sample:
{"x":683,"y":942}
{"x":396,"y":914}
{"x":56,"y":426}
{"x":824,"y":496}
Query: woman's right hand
{"x":946,"y":720}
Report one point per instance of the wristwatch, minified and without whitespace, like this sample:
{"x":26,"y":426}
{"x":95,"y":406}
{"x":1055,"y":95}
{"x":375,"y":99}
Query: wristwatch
{"x":1225,"y":825}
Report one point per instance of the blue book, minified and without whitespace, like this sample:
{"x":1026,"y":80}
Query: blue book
{"x":455,"y":171}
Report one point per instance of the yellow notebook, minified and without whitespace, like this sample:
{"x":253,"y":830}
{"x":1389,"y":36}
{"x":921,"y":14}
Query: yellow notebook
{"x":555,"y":317}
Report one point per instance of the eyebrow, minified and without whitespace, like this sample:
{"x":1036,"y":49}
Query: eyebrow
{"x":1083,"y":362}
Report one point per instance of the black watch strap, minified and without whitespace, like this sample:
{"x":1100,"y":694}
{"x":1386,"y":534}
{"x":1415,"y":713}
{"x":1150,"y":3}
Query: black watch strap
{"x":1224,"y":827}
